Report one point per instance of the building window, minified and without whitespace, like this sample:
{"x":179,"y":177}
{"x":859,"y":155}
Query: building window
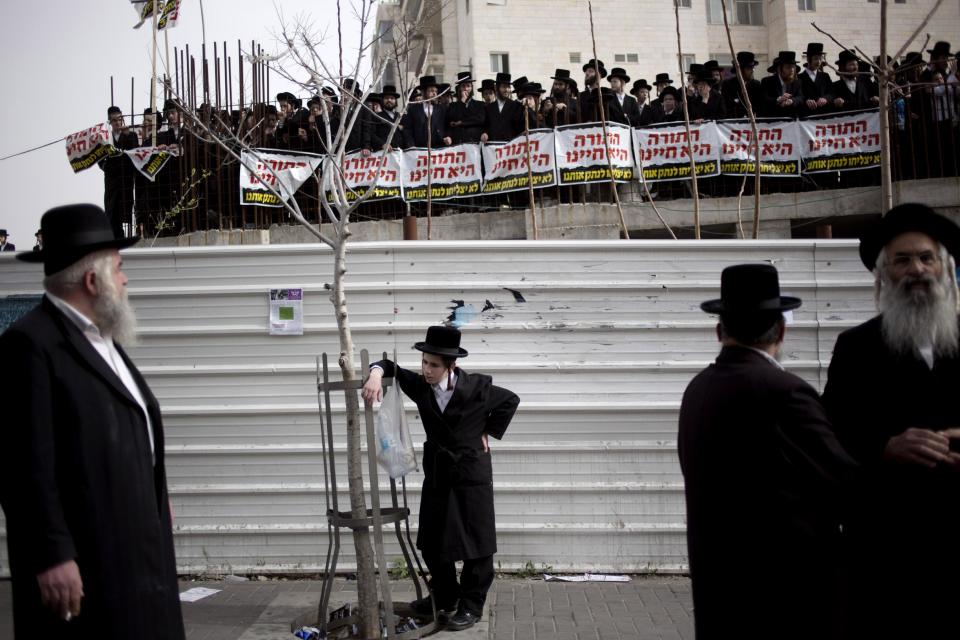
{"x":687,"y":59}
{"x":437,"y":73}
{"x":683,"y":4}
{"x":739,"y":12}
{"x":498,"y":2}
{"x":575,"y":57}
{"x":723,"y":59}
{"x":499,"y":63}
{"x":626,"y":57}
{"x":807,"y":5}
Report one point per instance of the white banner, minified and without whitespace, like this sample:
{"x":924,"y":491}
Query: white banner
{"x":841,"y":143}
{"x":150,"y":160}
{"x":168,"y":13}
{"x":582,"y":153}
{"x":360,"y":174}
{"x":284,"y":171}
{"x":86,"y":148}
{"x":452,"y":172}
{"x":779,"y":148}
{"x":663,"y":154}
{"x":505,"y":163}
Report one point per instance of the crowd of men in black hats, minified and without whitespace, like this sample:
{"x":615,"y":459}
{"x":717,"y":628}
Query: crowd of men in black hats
{"x":925,"y":101}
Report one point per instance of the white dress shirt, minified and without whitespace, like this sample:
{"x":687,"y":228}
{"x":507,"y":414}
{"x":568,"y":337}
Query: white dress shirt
{"x":442,"y":391}
{"x":104,"y":346}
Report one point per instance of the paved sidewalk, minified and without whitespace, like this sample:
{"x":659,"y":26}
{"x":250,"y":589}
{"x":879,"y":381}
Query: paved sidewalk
{"x":647,"y":608}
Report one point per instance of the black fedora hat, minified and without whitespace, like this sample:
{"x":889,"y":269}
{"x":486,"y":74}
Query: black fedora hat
{"x":3,"y":232}
{"x":749,"y":288}
{"x":593,"y":63}
{"x":442,"y":341}
{"x":641,"y":84}
{"x":170,"y":105}
{"x":443,"y":87}
{"x":464,"y":76}
{"x":747,"y":59}
{"x":618,"y":72}
{"x":390,"y":90}
{"x":695,"y":68}
{"x":663,"y":78}
{"x":503,"y":78}
{"x":705,"y":75}
{"x":70,"y":232}
{"x":519,"y":84}
{"x":903,"y":218}
{"x":562,"y":75}
{"x":531,"y":89}
{"x":670,"y":91}
{"x":845,"y":56}
{"x":428,"y":81}
{"x":488,"y":85}
{"x":814,"y":49}
{"x":711,"y":65}
{"x":942,"y":48}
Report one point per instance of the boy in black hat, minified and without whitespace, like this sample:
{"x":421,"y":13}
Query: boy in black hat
{"x":641,"y":91}
{"x":459,"y":411}
{"x":783,"y":94}
{"x":762,"y":474}
{"x":4,"y":245}
{"x":814,"y":81}
{"x":488,"y":91}
{"x":82,"y":480}
{"x":733,"y":101}
{"x":465,"y":116}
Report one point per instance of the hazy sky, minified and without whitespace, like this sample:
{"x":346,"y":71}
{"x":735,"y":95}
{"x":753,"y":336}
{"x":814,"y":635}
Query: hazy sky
{"x":59,"y":56}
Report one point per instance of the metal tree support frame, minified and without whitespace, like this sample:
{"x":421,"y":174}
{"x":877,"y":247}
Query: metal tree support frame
{"x":376,"y":518}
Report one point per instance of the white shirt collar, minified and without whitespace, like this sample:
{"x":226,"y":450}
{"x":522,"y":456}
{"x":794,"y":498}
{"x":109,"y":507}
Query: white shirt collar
{"x":82,"y":322}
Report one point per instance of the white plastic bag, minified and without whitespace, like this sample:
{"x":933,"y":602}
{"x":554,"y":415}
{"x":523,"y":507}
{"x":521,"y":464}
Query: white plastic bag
{"x":394,"y":446}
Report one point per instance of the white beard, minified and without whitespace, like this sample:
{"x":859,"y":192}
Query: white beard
{"x":114,"y":315}
{"x":917,"y":318}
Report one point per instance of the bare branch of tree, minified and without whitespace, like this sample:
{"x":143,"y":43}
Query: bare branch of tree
{"x":686,"y":122}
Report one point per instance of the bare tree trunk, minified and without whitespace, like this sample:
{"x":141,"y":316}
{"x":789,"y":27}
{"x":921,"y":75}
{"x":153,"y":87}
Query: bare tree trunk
{"x":886,"y":173}
{"x":686,"y":121}
{"x":526,"y":136}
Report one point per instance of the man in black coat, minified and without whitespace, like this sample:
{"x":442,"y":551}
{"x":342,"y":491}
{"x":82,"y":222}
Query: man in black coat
{"x":706,"y":103}
{"x":82,"y":480}
{"x":465,"y":116}
{"x":891,"y":395}
{"x":621,"y":107}
{"x":425,"y":123}
{"x":852,"y":91}
{"x":815,"y":82}
{"x":647,"y":114}
{"x":734,"y":105}
{"x":118,"y":174}
{"x":782,"y":92}
{"x":763,"y":472}
{"x":4,"y":245}
{"x":503,"y":118}
{"x":587,"y":99}
{"x":459,"y":411}
{"x":377,"y":128}
{"x":564,"y":107}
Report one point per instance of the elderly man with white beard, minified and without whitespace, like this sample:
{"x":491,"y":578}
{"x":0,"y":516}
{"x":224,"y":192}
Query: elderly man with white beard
{"x":892,"y":398}
{"x":82,"y":480}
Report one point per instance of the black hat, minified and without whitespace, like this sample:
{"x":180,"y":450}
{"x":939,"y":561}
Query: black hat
{"x":38,"y":233}
{"x":328,"y":91}
{"x":427,"y":81}
{"x":785,"y":57}
{"x":374,"y":97}
{"x":3,"y":232}
{"x":705,"y":75}
{"x":574,"y":87}
{"x":746,"y":59}
{"x":641,"y":84}
{"x":671,"y":91}
{"x":846,"y":56}
{"x":814,"y":48}
{"x":617,"y":72}
{"x":390,"y":90}
{"x":593,"y":64}
{"x":940,"y":49}
{"x":912,"y":58}
{"x":503,"y":78}
{"x":283,"y":96}
{"x":169,"y":105}
{"x":749,"y":288}
{"x":442,"y":87}
{"x":71,"y":232}
{"x":663,"y":78}
{"x":531,"y":89}
{"x":442,"y":341}
{"x":463,"y":76}
{"x":519,"y":83}
{"x":711,"y":65}
{"x":695,"y":68}
{"x":488,"y":85}
{"x":906,"y":217}
{"x":562,"y":75}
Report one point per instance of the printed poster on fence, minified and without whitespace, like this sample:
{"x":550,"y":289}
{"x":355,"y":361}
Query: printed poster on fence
{"x":361,"y":173}
{"x":779,"y":148}
{"x":150,"y":160}
{"x":663,"y":153}
{"x":451,"y":172}
{"x":283,"y":171}
{"x":841,"y":143}
{"x":286,"y":312}
{"x":582,"y":153}
{"x":505,"y":163}
{"x":88,"y":147}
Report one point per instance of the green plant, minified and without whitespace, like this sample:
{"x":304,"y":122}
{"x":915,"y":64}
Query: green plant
{"x":399,"y":569}
{"x":529,"y":570}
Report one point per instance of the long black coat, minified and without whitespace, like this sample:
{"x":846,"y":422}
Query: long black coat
{"x":470,"y":117}
{"x":456,"y":505}
{"x":814,"y":89}
{"x":77,"y":482}
{"x":733,"y":104}
{"x":628,"y":113}
{"x":416,"y":124}
{"x":852,"y":101}
{"x":377,"y":128}
{"x":773,"y":88}
{"x":501,"y":126}
{"x":762,"y":469}
{"x":904,"y":511}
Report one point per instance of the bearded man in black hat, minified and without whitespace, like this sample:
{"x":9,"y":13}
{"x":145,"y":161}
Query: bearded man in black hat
{"x":852,"y":91}
{"x":593,"y":72}
{"x":565,"y":106}
{"x":782,"y":91}
{"x":762,"y":471}
{"x":503,"y":118}
{"x":465,"y":116}
{"x":814,"y":81}
{"x":376,"y":130}
{"x":891,"y":395}
{"x":425,"y":123}
{"x":706,"y":103}
{"x":459,"y":411}
{"x":733,"y":101}
{"x":82,"y":479}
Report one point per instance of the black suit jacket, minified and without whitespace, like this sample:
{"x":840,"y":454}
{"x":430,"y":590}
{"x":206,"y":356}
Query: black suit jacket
{"x":733,"y":104}
{"x":873,"y":394}
{"x":501,"y":126}
{"x":772,"y":90}
{"x":456,"y":505}
{"x":647,"y":114}
{"x":852,"y":101}
{"x":77,"y":482}
{"x":376,"y":129}
{"x":469,"y":117}
{"x":763,"y":470}
{"x":628,"y":113}
{"x":813,"y":89}
{"x":415,"y":126}
{"x":9,"y":246}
